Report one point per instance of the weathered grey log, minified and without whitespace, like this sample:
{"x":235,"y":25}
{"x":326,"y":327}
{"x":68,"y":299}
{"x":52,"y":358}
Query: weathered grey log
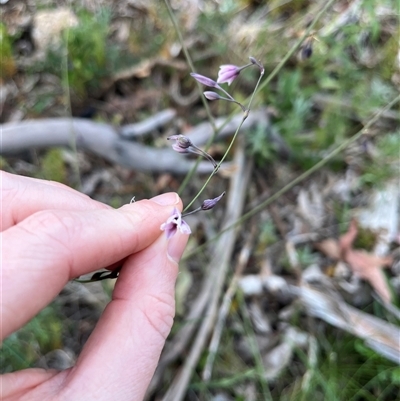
{"x":98,"y":138}
{"x":202,"y":132}
{"x":146,"y":126}
{"x":112,"y":143}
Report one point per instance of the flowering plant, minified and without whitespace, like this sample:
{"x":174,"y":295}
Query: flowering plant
{"x":227,"y":74}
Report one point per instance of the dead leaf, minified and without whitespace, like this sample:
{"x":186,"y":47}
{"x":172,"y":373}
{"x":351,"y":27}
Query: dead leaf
{"x":330,"y":247}
{"x":365,"y":265}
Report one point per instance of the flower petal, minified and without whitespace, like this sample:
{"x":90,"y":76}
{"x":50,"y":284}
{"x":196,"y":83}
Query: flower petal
{"x":227,"y":73}
{"x":185,"y":229}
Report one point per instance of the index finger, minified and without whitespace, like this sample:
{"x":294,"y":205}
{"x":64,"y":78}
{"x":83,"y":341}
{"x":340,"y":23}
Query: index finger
{"x":23,"y":196}
{"x":49,"y":248}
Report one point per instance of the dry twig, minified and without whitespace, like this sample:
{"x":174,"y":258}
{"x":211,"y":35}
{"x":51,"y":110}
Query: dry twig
{"x":226,"y":304}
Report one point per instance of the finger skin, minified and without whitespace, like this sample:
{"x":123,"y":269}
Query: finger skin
{"x":19,"y":383}
{"x":23,"y":196}
{"x":122,"y":353}
{"x":49,"y":248}
{"x":141,"y":316}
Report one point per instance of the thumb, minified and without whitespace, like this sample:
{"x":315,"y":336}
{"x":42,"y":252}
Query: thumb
{"x":124,"y":349}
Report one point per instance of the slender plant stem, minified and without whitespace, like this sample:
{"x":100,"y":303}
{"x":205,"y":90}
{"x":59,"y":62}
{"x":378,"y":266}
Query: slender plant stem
{"x":301,"y":177}
{"x":226,"y":93}
{"x":246,"y":113}
{"x":218,"y":165}
{"x":255,"y":90}
{"x":205,"y":103}
{"x":248,"y":327}
{"x":65,"y":79}
{"x":188,"y":59}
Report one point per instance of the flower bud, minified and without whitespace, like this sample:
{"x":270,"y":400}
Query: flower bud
{"x":257,"y":63}
{"x":211,"y":95}
{"x":210,"y":203}
{"x":204,"y":80}
{"x":182,"y":143}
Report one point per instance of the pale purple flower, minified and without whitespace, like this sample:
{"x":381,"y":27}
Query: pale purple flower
{"x":204,"y":80}
{"x":210,"y":203}
{"x":227,"y":73}
{"x":175,"y":223}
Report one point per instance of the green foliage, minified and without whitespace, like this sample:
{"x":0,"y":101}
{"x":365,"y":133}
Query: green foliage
{"x":41,"y":335}
{"x":84,"y":57}
{"x":87,"y":50}
{"x":260,"y":145}
{"x":385,"y":163}
{"x":7,"y":64}
{"x":346,"y":370}
{"x":52,"y":166}
{"x":350,"y":71}
{"x":268,"y":234}
{"x":293,"y":109}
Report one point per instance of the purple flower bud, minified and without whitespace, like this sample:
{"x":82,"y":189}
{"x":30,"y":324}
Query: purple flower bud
{"x":175,"y":223}
{"x":210,"y":203}
{"x":204,"y":80}
{"x":227,"y":73}
{"x":211,"y":95}
{"x":257,"y":63}
{"x":182,"y":143}
{"x":253,"y":60}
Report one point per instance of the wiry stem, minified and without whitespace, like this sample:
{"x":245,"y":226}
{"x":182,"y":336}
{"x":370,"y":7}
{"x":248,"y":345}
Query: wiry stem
{"x":205,"y":103}
{"x":233,"y":101}
{"x":205,"y":154}
{"x":192,"y":212}
{"x":246,"y":113}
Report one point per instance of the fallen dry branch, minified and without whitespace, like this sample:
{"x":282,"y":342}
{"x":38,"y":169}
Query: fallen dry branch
{"x":243,"y":259}
{"x":145,"y":127}
{"x":111,"y":143}
{"x":203,"y":132}
{"x":381,"y":336}
{"x":98,"y":138}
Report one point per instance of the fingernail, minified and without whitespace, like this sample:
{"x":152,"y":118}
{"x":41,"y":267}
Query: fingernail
{"x":176,"y":246}
{"x":170,"y":198}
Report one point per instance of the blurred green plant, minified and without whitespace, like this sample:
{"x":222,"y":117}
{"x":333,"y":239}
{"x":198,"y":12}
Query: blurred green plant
{"x":268,"y":234}
{"x":85,"y":56}
{"x":41,"y":335}
{"x":346,"y":370}
{"x":385,"y":163}
{"x":260,"y":145}
{"x":7,"y":63}
{"x":52,"y":166}
{"x":87,"y":49}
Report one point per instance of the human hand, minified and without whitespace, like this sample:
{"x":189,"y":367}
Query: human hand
{"x":51,"y":234}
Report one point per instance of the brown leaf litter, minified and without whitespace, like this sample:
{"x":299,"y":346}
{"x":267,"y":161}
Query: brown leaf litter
{"x":363,"y":264}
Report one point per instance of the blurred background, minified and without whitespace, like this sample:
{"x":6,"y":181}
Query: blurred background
{"x":289,"y":288}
